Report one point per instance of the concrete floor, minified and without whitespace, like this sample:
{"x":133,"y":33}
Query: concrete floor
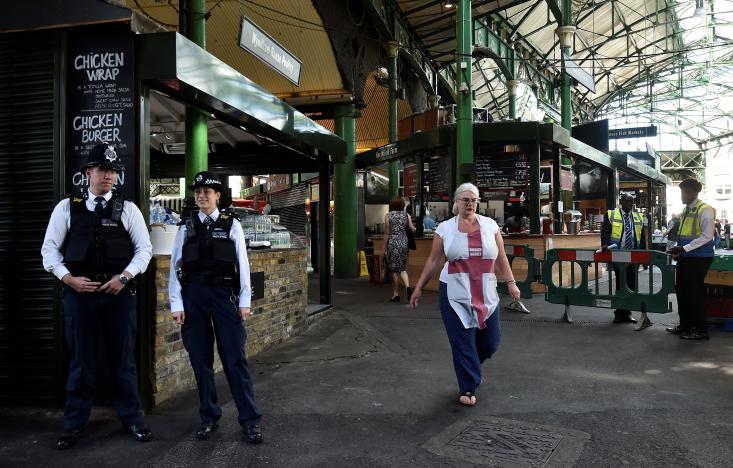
{"x":372,"y":384}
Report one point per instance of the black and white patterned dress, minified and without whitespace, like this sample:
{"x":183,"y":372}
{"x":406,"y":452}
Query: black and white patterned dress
{"x":397,"y":247}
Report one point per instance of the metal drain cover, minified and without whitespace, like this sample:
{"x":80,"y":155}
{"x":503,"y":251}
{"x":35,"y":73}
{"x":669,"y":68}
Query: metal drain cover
{"x":508,"y":443}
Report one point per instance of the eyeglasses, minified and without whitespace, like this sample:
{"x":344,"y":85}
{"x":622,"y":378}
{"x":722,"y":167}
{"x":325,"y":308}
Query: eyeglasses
{"x":469,"y":200}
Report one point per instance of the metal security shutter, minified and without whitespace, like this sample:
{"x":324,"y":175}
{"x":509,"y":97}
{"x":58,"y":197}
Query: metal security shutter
{"x":29,"y":351}
{"x":290,"y":206}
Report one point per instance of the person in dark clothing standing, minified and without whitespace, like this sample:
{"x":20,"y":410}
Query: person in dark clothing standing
{"x":624,"y":229}
{"x":210,"y":296}
{"x":694,"y":253}
{"x":96,"y":243}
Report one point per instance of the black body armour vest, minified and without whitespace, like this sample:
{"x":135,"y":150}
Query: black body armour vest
{"x":210,"y":251}
{"x":97,"y":245}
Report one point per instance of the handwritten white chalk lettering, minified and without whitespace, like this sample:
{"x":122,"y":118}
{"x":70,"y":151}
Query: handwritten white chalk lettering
{"x":104,"y":66}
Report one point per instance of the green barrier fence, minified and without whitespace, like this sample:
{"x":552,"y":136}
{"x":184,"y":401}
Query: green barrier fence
{"x":526,"y":252}
{"x":596,"y":293}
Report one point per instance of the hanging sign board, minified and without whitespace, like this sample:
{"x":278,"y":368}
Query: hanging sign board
{"x":577,"y":73}
{"x":278,"y":182}
{"x":101,"y":102}
{"x":260,"y":44}
{"x":501,"y":171}
{"x":635,"y":132}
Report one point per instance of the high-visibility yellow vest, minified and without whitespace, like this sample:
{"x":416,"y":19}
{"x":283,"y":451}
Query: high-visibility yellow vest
{"x":690,"y":222}
{"x":617,"y":225}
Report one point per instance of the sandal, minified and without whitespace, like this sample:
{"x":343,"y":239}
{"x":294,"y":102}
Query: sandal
{"x":467,"y":399}
{"x":395,"y":299}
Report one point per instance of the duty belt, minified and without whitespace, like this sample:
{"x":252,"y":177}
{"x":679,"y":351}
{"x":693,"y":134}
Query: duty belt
{"x":99,"y":277}
{"x":211,"y":280}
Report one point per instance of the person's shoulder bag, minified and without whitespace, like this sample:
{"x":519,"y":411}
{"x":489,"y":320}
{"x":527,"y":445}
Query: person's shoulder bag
{"x":410,"y":235}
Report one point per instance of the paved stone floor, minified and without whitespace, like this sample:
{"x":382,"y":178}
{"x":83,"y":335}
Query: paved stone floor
{"x":371,"y":384}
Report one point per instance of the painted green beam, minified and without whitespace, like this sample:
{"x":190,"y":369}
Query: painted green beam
{"x":345,"y":263}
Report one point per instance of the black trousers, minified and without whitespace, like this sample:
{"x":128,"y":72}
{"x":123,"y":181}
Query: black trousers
{"x":93,"y":320}
{"x":690,"y":287}
{"x":630,"y":283}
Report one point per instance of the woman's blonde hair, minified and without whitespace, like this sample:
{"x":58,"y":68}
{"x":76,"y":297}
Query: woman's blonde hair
{"x":464,"y":187}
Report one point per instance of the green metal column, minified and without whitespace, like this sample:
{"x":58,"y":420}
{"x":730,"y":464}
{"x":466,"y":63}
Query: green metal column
{"x":197,"y":129}
{"x":511,"y":86}
{"x":566,"y":103}
{"x":534,"y":189}
{"x":464,"y":95}
{"x":345,"y":263}
{"x":392,"y":52}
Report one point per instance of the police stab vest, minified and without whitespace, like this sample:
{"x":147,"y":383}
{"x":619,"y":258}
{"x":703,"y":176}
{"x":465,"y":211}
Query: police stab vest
{"x":210,"y":251}
{"x":97,"y":244}
{"x":616,"y":218}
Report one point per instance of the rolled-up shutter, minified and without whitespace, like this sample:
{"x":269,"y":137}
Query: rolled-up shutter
{"x":30,"y":352}
{"x":290,"y":206}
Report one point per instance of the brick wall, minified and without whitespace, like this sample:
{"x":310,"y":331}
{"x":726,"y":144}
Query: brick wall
{"x":278,"y":316}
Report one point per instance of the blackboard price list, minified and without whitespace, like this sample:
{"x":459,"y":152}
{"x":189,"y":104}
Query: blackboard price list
{"x":501,"y":171}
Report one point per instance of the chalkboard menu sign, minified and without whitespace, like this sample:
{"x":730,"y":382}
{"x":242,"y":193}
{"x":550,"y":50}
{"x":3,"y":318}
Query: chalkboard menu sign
{"x":101,"y":101}
{"x":438,"y":175}
{"x":501,"y":171}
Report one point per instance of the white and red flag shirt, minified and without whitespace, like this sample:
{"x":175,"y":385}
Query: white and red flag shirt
{"x":469,"y":271}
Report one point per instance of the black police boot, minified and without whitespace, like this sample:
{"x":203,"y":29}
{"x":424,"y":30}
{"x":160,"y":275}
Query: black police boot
{"x":68,"y":439}
{"x":138,"y":431}
{"x":253,"y":434}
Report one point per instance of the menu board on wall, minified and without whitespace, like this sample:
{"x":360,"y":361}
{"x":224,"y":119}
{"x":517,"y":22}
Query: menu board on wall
{"x":438,"y":175}
{"x":501,"y":171}
{"x":409,"y":179}
{"x":101,"y":102}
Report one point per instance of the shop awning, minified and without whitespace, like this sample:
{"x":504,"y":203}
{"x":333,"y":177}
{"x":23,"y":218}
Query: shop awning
{"x":177,"y":66}
{"x":421,"y":141}
{"x":640,"y":169}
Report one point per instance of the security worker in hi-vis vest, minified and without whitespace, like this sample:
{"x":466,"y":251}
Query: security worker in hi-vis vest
{"x":96,"y":243}
{"x":210,"y":294}
{"x":624,"y":229}
{"x":694,"y":253}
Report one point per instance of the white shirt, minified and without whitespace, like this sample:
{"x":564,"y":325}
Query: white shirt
{"x":707,"y":227}
{"x":58,"y":228}
{"x":237,"y":235}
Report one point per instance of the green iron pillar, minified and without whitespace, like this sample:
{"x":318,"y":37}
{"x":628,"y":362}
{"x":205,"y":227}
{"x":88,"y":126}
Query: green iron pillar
{"x":464,"y":95}
{"x":392,"y":52}
{"x":345,"y":264}
{"x":197,"y":128}
{"x":565,"y":35}
{"x":511,"y":86}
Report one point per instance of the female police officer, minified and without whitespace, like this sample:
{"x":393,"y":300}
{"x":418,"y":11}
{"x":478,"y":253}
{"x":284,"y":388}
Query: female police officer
{"x":210,"y":295}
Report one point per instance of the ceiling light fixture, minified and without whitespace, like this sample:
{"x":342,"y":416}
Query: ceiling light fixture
{"x":449,"y":4}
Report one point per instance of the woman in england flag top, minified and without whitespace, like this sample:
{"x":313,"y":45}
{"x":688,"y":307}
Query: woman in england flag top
{"x":469,"y":302}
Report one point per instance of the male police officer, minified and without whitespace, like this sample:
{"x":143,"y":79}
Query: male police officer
{"x":96,"y":244}
{"x":694,"y":252}
{"x":623,"y":229}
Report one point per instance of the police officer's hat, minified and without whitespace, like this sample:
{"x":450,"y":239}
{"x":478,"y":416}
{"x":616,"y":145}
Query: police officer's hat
{"x":104,"y":155}
{"x":207,"y":179}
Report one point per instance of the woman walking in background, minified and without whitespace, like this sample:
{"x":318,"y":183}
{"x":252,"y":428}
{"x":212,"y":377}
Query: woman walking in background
{"x":469,"y":303}
{"x":396,"y":223}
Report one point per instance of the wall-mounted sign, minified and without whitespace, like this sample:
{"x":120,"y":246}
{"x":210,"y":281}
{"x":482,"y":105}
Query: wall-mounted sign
{"x":635,"y":132}
{"x":438,"y":174}
{"x":409,"y":180}
{"x":260,"y":44}
{"x":278,"y":182}
{"x":566,"y":179}
{"x":101,"y":102}
{"x":501,"y":171}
